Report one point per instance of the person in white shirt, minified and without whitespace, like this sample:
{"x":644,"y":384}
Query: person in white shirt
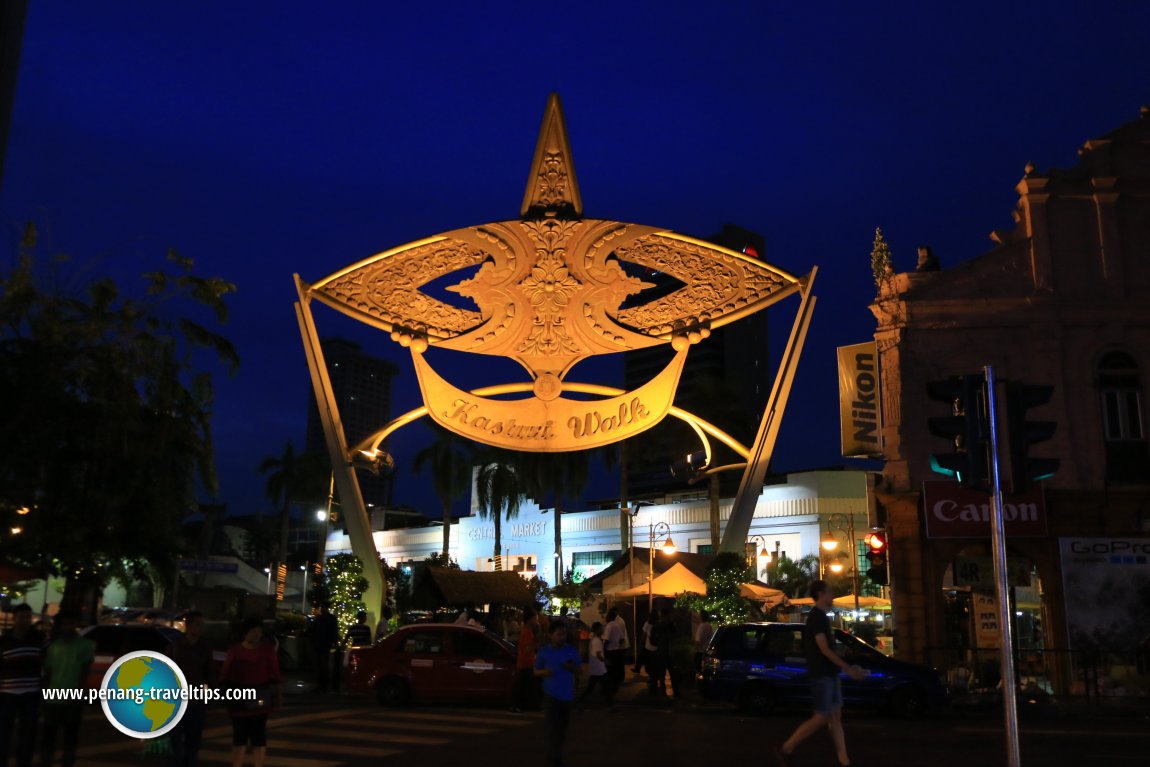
{"x":597,"y":666}
{"x":647,"y":648}
{"x":615,"y":646}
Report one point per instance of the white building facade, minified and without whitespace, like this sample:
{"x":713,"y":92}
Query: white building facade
{"x":790,"y":519}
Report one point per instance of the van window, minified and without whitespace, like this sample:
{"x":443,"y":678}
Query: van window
{"x":737,"y":641}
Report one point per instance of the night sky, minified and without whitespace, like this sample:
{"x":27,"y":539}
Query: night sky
{"x":264,"y":139}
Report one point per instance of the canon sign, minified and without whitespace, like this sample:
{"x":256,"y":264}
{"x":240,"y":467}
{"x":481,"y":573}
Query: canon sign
{"x":953,"y":511}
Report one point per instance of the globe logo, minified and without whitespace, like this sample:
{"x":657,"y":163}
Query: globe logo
{"x":144,"y":694}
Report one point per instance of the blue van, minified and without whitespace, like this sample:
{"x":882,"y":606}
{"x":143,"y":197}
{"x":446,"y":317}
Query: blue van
{"x":761,"y":666}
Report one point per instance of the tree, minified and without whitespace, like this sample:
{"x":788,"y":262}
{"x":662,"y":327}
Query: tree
{"x":345,"y":587}
{"x":557,"y":476}
{"x":499,"y":492}
{"x":794,"y":576}
{"x":449,"y":459}
{"x":293,"y":479}
{"x":724,"y":575}
{"x":569,"y":592}
{"x":109,"y":442}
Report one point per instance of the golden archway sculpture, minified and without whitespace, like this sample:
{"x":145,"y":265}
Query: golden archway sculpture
{"x":548,"y":290}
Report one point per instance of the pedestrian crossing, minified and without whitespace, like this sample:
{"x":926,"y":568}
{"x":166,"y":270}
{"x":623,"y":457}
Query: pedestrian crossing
{"x":338,"y":737}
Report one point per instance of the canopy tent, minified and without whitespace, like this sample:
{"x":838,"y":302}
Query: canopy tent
{"x":765,"y":594}
{"x":848,"y":602}
{"x":675,"y":581}
{"x":437,"y":587}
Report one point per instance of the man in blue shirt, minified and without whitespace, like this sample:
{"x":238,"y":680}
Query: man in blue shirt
{"x":557,"y":663}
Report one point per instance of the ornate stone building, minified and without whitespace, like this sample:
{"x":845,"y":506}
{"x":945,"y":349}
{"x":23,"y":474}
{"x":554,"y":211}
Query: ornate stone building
{"x":1061,"y":300}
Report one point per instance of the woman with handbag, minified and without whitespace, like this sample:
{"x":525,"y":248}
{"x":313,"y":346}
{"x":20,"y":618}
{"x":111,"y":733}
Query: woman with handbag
{"x":251,"y":664}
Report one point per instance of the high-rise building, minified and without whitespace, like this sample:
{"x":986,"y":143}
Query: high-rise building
{"x":726,"y":381}
{"x":361,"y":384}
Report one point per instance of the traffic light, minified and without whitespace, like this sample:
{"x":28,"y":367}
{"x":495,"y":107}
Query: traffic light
{"x":1022,"y":434}
{"x":877,"y":556}
{"x":966,"y":427}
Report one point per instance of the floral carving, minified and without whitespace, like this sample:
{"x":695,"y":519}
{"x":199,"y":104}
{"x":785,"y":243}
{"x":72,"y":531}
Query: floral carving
{"x":552,"y":180}
{"x":389,"y":289}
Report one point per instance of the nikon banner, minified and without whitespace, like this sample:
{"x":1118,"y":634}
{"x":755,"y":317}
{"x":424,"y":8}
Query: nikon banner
{"x":860,"y":405}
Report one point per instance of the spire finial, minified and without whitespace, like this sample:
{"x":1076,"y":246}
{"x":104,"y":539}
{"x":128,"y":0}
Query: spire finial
{"x":552,"y":188}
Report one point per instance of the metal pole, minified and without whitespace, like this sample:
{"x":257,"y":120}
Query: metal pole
{"x":651,"y":574}
{"x":854,"y":560}
{"x":303,"y":594}
{"x":631,"y":585}
{"x":321,"y":555}
{"x":998,"y":544}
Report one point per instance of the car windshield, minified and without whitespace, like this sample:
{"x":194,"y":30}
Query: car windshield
{"x":501,"y":641}
{"x":853,"y":647}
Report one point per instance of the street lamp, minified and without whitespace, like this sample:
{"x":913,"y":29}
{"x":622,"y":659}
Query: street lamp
{"x":759,"y":544}
{"x":660,"y":531}
{"x":844,"y":523}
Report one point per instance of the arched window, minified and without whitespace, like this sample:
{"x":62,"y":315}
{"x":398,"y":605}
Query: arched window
{"x":1127,"y":458}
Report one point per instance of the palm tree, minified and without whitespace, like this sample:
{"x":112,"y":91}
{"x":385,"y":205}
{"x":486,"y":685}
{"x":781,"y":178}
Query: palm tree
{"x":292,"y":478}
{"x":450,"y":459}
{"x":561,"y":475}
{"x":794,"y":576}
{"x":499,"y":492}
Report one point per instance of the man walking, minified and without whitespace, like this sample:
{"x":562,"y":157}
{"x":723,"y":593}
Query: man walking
{"x":557,"y":662}
{"x":823,"y":665}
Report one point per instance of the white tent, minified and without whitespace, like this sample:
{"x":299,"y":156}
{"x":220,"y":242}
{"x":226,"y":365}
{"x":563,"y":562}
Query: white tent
{"x":765,"y":594}
{"x":675,"y":581}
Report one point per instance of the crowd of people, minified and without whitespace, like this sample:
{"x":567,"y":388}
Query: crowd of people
{"x":32,"y":661}
{"x":549,"y":666}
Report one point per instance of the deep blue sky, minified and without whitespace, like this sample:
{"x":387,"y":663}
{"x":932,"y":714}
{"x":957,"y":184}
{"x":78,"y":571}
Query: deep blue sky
{"x":264,"y":139}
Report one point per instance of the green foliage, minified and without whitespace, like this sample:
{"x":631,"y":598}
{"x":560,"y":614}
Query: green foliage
{"x":880,"y":260}
{"x":449,"y":459}
{"x":499,"y":493}
{"x":439,"y":559}
{"x":794,"y":576}
{"x":726,"y":572}
{"x":539,"y":588}
{"x":724,"y":575}
{"x":346,"y":585}
{"x":294,"y":479}
{"x":111,"y":444}
{"x":569,"y":593}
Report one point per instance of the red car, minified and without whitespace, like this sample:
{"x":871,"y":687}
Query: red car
{"x":434,"y":661}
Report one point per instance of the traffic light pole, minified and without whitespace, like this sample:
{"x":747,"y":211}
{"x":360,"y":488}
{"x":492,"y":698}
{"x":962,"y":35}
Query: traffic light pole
{"x":998,"y":544}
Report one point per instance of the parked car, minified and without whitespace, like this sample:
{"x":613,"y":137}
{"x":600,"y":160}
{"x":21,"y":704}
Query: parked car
{"x":762,"y":666}
{"x":114,"y":640}
{"x":433,"y":661}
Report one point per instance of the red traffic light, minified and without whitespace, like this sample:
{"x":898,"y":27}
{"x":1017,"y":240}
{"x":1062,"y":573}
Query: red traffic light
{"x":876,"y":541}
